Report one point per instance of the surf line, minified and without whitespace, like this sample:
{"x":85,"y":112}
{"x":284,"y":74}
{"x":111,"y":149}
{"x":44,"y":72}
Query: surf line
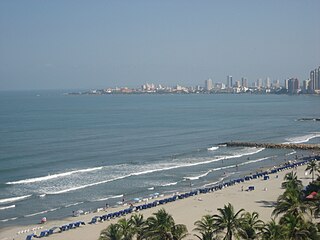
{"x":255,"y":150}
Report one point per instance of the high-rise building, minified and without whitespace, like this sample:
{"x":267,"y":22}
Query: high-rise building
{"x":208,"y":84}
{"x":293,"y":86}
{"x":259,"y":83}
{"x":244,"y":82}
{"x":286,"y":83}
{"x":305,"y":86}
{"x":229,"y":82}
{"x":268,"y":84}
{"x":318,"y":79}
{"x":276,"y":84}
{"x":314,"y":83}
{"x":312,"y":80}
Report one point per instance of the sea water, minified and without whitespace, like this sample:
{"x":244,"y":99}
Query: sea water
{"x":61,"y":153}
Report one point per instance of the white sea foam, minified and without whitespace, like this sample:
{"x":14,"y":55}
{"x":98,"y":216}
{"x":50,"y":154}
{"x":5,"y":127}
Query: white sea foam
{"x":240,"y":164}
{"x":72,"y":204}
{"x":107,"y":198}
{"x":14,"y":199}
{"x":34,"y":214}
{"x":290,"y":153}
{"x":87,"y":185}
{"x":213,"y":148}
{"x":197,"y":177}
{"x":42,"y":212}
{"x":250,"y":151}
{"x":9,"y":219}
{"x":151,"y":188}
{"x":53,"y":176}
{"x":169,"y":184}
{"x":214,"y":183}
{"x":7,"y":207}
{"x":302,"y":139}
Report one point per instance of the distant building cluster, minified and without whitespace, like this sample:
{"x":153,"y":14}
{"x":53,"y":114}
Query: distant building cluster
{"x":312,"y":85}
{"x":291,"y":86}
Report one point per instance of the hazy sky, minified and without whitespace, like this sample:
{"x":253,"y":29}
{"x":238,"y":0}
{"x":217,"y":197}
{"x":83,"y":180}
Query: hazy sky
{"x":55,"y":44}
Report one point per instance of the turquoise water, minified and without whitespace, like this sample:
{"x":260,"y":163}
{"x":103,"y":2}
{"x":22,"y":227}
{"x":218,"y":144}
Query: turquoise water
{"x":62,"y":153}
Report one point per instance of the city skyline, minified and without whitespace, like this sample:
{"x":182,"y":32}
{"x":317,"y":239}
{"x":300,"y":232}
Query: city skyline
{"x":68,"y":44}
{"x":290,"y":86}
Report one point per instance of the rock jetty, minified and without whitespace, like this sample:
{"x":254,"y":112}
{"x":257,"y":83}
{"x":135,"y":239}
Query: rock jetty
{"x":315,"y":147}
{"x":309,"y":119}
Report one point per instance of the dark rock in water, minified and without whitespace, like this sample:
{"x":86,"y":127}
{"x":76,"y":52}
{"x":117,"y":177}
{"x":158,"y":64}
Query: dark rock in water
{"x":309,"y":119}
{"x":274,"y":145}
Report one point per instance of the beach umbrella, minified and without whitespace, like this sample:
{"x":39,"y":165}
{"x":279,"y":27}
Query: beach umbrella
{"x":43,"y":220}
{"x":310,"y":196}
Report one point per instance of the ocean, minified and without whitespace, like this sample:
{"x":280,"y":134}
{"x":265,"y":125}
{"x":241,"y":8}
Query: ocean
{"x":61,"y":153}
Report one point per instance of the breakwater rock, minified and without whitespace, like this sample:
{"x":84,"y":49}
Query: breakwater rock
{"x":309,"y":119}
{"x":274,"y":145}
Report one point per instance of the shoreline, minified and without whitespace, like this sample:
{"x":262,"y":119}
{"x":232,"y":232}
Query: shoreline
{"x":206,"y":202}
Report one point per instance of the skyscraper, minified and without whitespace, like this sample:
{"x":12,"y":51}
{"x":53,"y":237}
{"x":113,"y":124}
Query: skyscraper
{"x":305,"y":85}
{"x":244,"y":82}
{"x":259,"y":83}
{"x":229,"y":82}
{"x":293,"y":86}
{"x":268,"y":84}
{"x":286,"y":84}
{"x":314,"y":83}
{"x":208,"y":84}
{"x":317,"y":78}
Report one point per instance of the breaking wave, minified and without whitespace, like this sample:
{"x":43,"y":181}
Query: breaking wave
{"x":226,"y":167}
{"x":169,"y":184}
{"x":107,"y":198}
{"x":213,"y":148}
{"x":72,"y":204}
{"x":7,"y":207}
{"x":42,"y":212}
{"x":9,"y":219}
{"x":13,"y":199}
{"x":251,"y":152}
{"x":58,"y":175}
{"x":302,"y":139}
{"x":290,"y":153}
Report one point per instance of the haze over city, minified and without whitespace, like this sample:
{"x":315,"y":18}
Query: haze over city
{"x":85,"y":44}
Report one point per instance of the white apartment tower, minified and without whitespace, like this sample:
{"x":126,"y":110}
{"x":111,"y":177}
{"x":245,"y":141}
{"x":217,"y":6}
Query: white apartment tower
{"x":208,"y":84}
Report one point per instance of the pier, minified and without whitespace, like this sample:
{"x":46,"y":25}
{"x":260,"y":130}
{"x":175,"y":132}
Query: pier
{"x":315,"y":147}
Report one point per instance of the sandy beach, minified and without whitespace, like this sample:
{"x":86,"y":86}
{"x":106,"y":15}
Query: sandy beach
{"x":185,"y":211}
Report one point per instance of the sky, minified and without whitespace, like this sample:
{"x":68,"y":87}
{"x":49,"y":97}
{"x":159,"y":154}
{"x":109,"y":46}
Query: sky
{"x":75,"y":44}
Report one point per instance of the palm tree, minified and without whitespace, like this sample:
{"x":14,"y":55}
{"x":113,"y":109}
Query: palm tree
{"x":112,"y":232}
{"x":179,"y":231}
{"x":206,"y":227}
{"x":294,"y":227}
{"x":138,"y":224}
{"x":251,"y":226}
{"x":291,"y":202}
{"x":312,"y":167}
{"x":291,"y":181}
{"x":161,"y":226}
{"x":272,"y":231}
{"x":228,"y":220}
{"x":126,"y":229}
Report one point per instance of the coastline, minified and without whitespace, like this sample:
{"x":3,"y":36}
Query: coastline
{"x":260,"y":199}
